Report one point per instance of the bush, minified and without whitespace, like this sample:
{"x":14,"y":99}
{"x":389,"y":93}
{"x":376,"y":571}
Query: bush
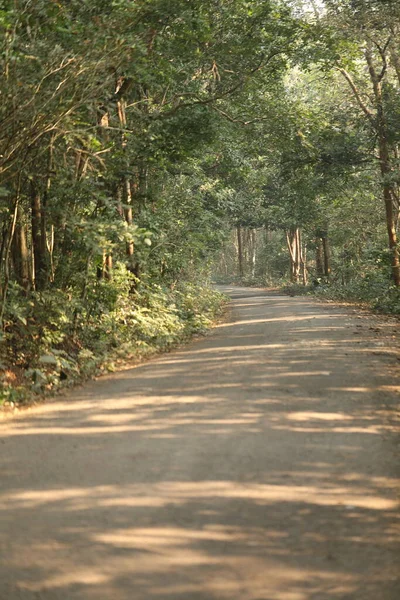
{"x":54,"y":338}
{"x":373,"y":290}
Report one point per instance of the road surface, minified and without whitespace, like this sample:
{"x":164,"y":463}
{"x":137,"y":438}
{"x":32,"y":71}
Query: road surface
{"x":258,"y":463}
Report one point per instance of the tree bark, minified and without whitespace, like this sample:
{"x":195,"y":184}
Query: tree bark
{"x":108,"y":267}
{"x":385,"y":166}
{"x":304,"y":265}
{"x":7,"y":253}
{"x":103,"y":121}
{"x":327,"y":256}
{"x":128,"y":190}
{"x":379,"y":125}
{"x":293,"y":243}
{"x":38,"y":239}
{"x":253,"y":252}
{"x":240,"y":250}
{"x":395,"y":60}
{"x":319,"y":257}
{"x":128,"y":215}
{"x":302,"y":252}
{"x":20,"y":253}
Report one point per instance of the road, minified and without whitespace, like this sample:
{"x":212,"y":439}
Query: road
{"x":260,"y":462}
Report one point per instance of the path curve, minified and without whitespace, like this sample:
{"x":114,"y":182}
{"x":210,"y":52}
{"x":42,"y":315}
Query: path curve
{"x":258,"y":463}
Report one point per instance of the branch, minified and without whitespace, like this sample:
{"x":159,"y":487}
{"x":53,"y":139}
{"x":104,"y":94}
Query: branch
{"x":235,"y":120}
{"x":357,"y":95}
{"x":290,"y":248}
{"x":230,"y":91}
{"x":382,"y":52}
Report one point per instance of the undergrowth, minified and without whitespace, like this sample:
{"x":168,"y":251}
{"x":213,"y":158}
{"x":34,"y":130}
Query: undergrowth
{"x":54,"y":340}
{"x":371,"y":291}
{"x":381,"y":297}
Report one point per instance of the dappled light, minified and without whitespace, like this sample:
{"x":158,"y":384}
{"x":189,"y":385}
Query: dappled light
{"x":158,"y":441}
{"x":246,"y":466}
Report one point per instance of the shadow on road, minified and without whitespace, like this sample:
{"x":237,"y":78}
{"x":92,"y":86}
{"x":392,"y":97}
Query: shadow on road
{"x":256,"y":464}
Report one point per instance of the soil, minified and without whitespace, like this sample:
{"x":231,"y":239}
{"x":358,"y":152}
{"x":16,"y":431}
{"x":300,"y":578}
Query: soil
{"x":258,"y":463}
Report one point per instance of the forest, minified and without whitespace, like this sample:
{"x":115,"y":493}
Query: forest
{"x":151,"y":147}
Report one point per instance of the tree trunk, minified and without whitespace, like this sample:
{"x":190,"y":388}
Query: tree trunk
{"x":103,"y":121}
{"x":302,"y":252}
{"x":240,"y":250}
{"x":128,"y":190}
{"x":105,"y":270}
{"x":253,"y":252}
{"x":327,"y":256}
{"x":108,"y":267}
{"x":128,"y":215}
{"x":395,"y":60}
{"x":7,"y":253}
{"x":378,"y":123}
{"x":20,"y":253}
{"x":385,"y":166}
{"x":3,"y":249}
{"x":388,"y":198}
{"x":319,"y":257}
{"x":304,"y":265}
{"x":38,"y":239}
{"x":49,"y":240}
{"x":293,"y":243}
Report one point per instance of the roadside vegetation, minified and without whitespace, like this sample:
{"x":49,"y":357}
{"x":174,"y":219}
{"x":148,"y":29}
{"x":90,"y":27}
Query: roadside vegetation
{"x":147,"y":145}
{"x":319,"y":208}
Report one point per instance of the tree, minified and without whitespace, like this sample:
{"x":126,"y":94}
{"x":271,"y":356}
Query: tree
{"x":369,"y":33}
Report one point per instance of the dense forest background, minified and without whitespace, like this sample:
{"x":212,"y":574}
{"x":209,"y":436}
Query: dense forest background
{"x":145,"y":145}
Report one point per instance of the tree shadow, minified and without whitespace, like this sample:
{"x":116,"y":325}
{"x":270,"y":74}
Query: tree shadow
{"x":256,"y":464}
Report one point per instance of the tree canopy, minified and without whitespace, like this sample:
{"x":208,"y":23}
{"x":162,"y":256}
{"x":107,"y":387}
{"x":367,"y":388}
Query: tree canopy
{"x":144,"y":144}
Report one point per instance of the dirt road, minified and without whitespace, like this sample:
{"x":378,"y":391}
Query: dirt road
{"x":259,"y":463}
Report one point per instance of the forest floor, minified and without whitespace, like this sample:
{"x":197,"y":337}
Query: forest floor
{"x":258,"y":463}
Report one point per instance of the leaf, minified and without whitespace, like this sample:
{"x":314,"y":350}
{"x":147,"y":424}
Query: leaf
{"x":48,"y":359}
{"x":38,"y":377}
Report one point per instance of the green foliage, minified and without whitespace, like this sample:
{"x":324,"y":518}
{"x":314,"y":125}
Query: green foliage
{"x":372,"y":290}
{"x":137,"y":135}
{"x":75,"y":339}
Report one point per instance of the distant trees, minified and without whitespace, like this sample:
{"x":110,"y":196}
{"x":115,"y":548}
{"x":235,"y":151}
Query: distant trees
{"x":368,"y":59}
{"x":99,"y":102}
{"x":136,"y":135}
{"x":116,"y":180}
{"x":327,"y":148}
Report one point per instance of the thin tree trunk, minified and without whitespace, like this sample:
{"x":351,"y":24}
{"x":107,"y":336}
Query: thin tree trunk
{"x":105,"y":270}
{"x":103,"y":121}
{"x":327,"y":256}
{"x":319,"y":257}
{"x":3,"y":249}
{"x":395,"y":61}
{"x":108,"y":267}
{"x":385,"y":166}
{"x":245,"y":248}
{"x":293,"y":243}
{"x":38,"y":240}
{"x":49,"y":242}
{"x":128,"y":214}
{"x":304,"y":265}
{"x":10,"y":236}
{"x":253,"y":252}
{"x":240,"y":250}
{"x":20,"y":253}
{"x":302,"y":258}
{"x":377,"y":120}
{"x":126,"y":186}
